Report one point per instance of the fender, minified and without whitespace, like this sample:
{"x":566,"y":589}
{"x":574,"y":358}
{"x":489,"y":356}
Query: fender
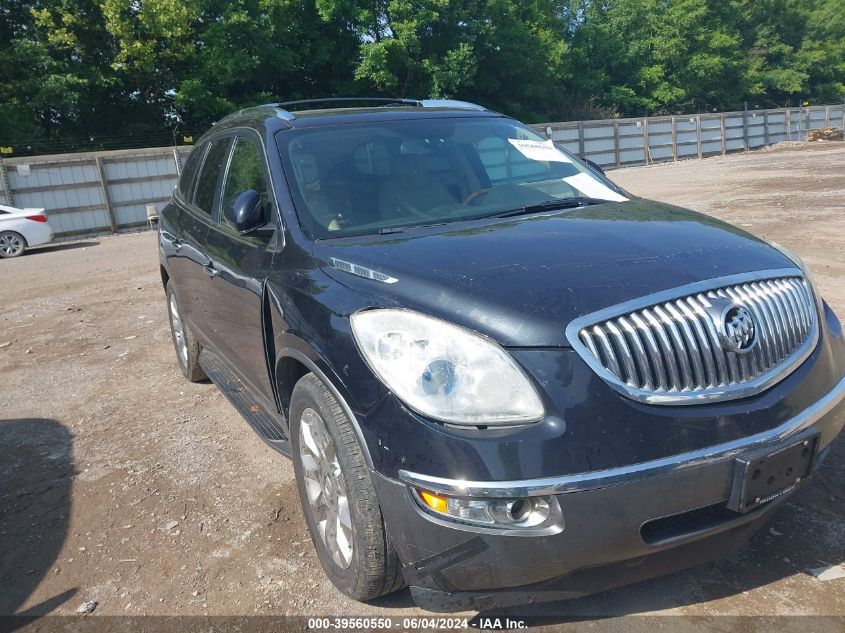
{"x":287,"y":345}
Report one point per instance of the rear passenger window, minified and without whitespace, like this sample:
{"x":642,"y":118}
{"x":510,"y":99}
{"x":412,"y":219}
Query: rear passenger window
{"x":246,"y":171}
{"x":207,"y":183}
{"x":189,"y":171}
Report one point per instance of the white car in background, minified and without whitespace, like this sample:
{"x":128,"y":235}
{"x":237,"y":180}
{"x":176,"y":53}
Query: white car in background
{"x":22,"y":228}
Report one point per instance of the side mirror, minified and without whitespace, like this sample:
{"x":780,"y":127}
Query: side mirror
{"x":244,"y":212}
{"x":593,"y":165}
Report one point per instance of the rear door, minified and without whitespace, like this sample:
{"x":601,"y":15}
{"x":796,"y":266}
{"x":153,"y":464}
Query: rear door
{"x":240,"y":264}
{"x":184,"y":265}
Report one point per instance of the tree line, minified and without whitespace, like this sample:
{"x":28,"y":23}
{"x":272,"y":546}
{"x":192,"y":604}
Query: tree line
{"x":110,"y":72}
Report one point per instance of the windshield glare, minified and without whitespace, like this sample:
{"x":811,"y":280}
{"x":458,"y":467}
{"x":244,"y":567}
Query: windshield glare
{"x":371,"y":177}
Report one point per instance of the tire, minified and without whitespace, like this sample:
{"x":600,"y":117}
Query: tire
{"x":372,"y":568}
{"x":186,"y":346}
{"x":11,"y":244}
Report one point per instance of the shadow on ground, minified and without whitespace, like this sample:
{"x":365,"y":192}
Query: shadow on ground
{"x":36,"y":473}
{"x":59,"y":246}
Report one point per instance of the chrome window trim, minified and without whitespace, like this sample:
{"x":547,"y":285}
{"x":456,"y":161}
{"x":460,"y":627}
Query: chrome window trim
{"x":714,"y":394}
{"x":626,"y":474}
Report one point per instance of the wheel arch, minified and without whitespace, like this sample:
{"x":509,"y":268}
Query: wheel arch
{"x":19,"y":234}
{"x":165,"y":276}
{"x":290,"y":361}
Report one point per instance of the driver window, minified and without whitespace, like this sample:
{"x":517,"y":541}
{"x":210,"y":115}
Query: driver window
{"x":246,"y":171}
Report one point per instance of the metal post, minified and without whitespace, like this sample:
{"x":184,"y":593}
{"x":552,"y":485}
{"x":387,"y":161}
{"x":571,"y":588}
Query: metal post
{"x":7,"y":188}
{"x":698,"y":134}
{"x":616,"y":151}
{"x":674,"y":140}
{"x":745,"y":126}
{"x":807,"y":125}
{"x":788,"y":124}
{"x":766,"y":127}
{"x":580,"y":138}
{"x":104,"y":185}
{"x":722,"y":135}
{"x":827,"y":116}
{"x":178,"y":160}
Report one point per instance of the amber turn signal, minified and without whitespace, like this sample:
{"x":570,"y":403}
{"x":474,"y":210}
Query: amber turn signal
{"x":433,"y":501}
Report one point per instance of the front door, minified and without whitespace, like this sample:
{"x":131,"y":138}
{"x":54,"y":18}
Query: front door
{"x":239,"y":264}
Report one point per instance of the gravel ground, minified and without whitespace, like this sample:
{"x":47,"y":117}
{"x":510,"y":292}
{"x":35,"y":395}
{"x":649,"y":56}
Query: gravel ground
{"x":123,"y":484}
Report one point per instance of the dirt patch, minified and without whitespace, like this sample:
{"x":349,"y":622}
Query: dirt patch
{"x":124,"y":484}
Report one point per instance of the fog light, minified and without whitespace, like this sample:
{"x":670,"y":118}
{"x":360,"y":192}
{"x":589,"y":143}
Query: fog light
{"x":498,"y":513}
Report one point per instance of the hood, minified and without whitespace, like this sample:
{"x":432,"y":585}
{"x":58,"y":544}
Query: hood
{"x":522,"y":280}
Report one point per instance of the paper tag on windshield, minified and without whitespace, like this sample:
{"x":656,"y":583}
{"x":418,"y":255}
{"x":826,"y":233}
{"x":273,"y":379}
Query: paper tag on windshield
{"x":592,"y":188}
{"x":539,"y":150}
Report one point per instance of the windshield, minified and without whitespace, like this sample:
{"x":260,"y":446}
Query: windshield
{"x":388,"y":175}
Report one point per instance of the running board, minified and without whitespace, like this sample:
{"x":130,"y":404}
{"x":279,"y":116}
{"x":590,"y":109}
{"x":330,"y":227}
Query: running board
{"x":268,"y":426}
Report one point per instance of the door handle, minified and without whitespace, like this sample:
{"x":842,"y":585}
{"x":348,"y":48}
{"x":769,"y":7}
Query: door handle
{"x":211,"y":270}
{"x":171,"y":239}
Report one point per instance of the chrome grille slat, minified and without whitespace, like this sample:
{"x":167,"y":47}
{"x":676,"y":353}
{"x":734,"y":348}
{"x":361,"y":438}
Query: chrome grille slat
{"x":639,"y":354}
{"x":668,"y":354}
{"x":624,"y":351}
{"x":653,"y":351}
{"x":704,"y":344}
{"x":611,"y":363}
{"x":800,"y":308}
{"x":794,"y":307}
{"x":777,"y":299}
{"x":671,"y":350}
{"x":691,"y":345}
{"x":699,"y":303}
{"x":678,"y":347}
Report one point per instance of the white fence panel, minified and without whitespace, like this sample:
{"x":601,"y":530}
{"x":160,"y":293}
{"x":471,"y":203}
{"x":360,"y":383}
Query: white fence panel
{"x":108,"y":191}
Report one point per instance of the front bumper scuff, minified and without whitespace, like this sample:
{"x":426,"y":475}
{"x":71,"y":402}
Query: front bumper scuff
{"x":452,"y":567}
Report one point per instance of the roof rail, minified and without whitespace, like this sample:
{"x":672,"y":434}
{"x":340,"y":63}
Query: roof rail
{"x":450,"y":103}
{"x":285,"y":109}
{"x":287,"y":105}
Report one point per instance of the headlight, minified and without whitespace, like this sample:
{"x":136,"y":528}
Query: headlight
{"x":444,"y":371}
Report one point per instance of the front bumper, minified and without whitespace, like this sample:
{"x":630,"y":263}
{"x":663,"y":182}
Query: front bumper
{"x":602,"y":545}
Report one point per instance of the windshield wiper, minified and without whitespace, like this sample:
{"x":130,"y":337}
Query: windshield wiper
{"x":549,"y":205}
{"x":401,"y":229}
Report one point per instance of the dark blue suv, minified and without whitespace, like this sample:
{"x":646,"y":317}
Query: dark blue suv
{"x":500,"y":377}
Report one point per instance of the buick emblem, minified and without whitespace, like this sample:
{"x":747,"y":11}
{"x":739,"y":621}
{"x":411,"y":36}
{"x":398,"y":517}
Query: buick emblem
{"x":737,"y":331}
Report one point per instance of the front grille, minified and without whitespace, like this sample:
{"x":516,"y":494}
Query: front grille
{"x":675,"y":350}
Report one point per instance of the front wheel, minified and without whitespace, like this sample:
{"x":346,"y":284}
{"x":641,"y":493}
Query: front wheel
{"x":11,"y":244}
{"x":338,"y":498}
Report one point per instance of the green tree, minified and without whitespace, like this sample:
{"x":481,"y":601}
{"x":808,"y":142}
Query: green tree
{"x":114,"y":72}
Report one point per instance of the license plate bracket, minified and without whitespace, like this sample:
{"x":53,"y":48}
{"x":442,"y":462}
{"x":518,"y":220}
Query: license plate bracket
{"x":764,"y":475}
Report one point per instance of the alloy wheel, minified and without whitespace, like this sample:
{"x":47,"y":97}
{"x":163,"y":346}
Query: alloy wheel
{"x":325,"y":487}
{"x":10,"y":245}
{"x":178,"y":331}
